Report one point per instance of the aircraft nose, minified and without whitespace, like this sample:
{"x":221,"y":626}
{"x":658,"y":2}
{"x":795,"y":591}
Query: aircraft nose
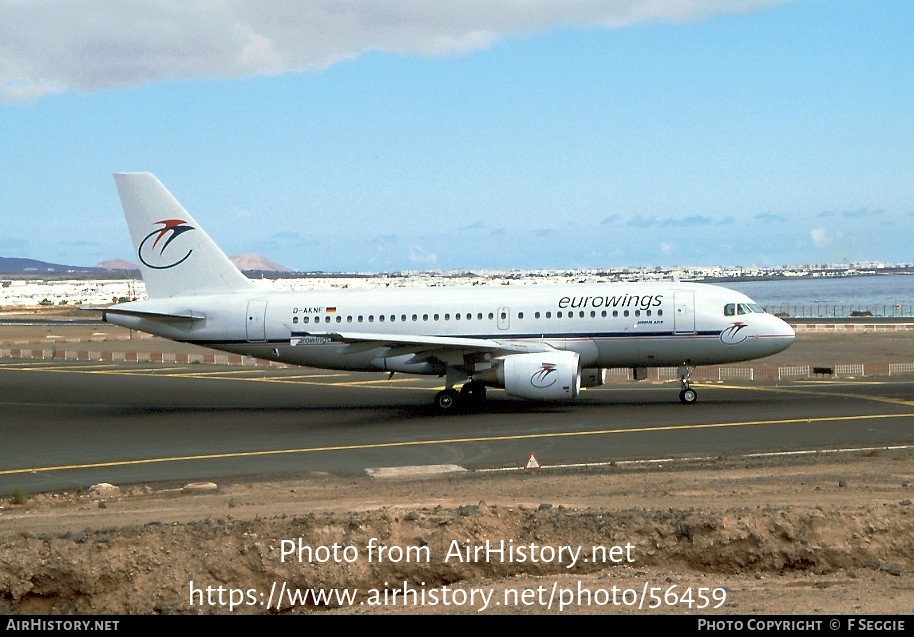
{"x":782,"y":334}
{"x":784,"y":329}
{"x":788,"y":330}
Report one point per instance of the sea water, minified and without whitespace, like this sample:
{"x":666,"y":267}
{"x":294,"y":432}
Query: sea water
{"x":889,"y":295}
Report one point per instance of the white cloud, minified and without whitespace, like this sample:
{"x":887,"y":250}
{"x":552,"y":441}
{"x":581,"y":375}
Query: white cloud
{"x":48,"y":46}
{"x":418,"y":254}
{"x":822,"y":237}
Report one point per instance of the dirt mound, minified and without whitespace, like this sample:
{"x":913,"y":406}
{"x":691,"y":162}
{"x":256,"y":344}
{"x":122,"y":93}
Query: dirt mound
{"x":820,"y":536}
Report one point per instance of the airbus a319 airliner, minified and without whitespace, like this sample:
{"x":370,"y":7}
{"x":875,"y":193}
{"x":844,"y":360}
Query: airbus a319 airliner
{"x":540,"y":342}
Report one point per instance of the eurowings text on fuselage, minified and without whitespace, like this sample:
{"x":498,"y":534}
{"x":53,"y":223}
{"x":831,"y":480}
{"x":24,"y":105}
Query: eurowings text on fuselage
{"x":541,"y":342}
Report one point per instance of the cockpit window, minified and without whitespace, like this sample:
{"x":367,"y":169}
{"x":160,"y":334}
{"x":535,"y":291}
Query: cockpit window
{"x":730,"y":309}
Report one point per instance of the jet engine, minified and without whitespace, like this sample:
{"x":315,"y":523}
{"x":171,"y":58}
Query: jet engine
{"x":541,"y":376}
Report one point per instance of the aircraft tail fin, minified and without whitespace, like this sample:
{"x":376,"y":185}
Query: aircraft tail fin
{"x":176,"y":256}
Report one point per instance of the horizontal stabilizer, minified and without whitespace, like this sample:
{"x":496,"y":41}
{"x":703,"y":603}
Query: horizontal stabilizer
{"x":189,"y":315}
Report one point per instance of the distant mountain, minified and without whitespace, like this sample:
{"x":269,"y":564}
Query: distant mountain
{"x":244,"y":262}
{"x":16,"y":265}
{"x":117,"y":264}
{"x":254,"y":262}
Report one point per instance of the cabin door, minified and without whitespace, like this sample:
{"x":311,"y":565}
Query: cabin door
{"x":684,"y":315}
{"x":504,"y":318}
{"x":256,"y":321}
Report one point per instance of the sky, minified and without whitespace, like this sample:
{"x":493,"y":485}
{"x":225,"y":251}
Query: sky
{"x":369,"y":136}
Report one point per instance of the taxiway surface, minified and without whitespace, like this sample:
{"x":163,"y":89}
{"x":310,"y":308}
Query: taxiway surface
{"x":71,"y":424}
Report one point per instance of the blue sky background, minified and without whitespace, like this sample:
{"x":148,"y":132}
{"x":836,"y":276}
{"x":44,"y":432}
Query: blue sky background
{"x":382,"y":136}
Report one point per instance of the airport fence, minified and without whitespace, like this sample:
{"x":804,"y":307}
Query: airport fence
{"x":132,"y":357}
{"x":829,"y":311}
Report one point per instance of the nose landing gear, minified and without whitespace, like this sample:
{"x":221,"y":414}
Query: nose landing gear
{"x":688,"y":395}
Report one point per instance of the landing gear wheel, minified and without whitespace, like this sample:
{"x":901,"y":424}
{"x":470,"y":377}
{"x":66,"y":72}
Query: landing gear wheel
{"x":688,"y":396}
{"x":473,"y":392}
{"x":447,"y":399}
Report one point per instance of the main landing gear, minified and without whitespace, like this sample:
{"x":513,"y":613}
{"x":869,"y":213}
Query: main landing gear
{"x":447,"y":399}
{"x":688,"y":395}
{"x":472,"y":393}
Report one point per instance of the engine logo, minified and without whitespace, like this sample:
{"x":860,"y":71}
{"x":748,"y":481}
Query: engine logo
{"x":154,"y":256}
{"x":734,"y":334}
{"x":545,"y":376}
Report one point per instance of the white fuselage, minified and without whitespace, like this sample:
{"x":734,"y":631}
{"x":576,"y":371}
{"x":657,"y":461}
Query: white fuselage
{"x":607,"y":325}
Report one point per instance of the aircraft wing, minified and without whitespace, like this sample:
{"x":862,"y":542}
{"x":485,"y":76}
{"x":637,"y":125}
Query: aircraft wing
{"x":407,"y":343}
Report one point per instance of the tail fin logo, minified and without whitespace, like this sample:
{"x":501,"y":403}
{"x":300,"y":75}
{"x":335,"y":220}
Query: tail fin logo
{"x":156,"y":250}
{"x":545,"y":376}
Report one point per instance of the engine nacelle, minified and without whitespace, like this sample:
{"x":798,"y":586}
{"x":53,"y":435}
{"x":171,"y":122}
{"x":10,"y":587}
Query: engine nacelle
{"x":593,"y":376}
{"x":542,"y":376}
